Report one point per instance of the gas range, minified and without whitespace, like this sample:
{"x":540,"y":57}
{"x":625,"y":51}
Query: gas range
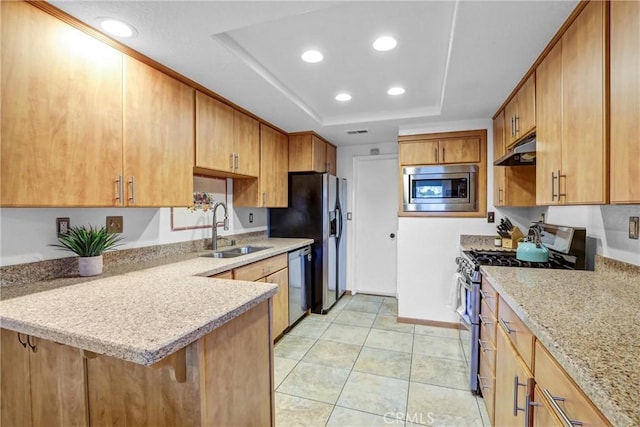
{"x":507,"y":258}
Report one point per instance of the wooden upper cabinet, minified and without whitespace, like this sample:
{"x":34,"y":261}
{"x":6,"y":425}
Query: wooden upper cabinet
{"x":227,"y":140}
{"x":61,"y":119}
{"x":332,"y":160}
{"x":246,"y":144}
{"x":584,"y":177}
{"x":309,"y":153}
{"x":416,"y":151}
{"x":549,"y":126}
{"x":520,"y":112}
{"x":571,"y":164}
{"x":271,"y":188}
{"x":498,"y":151}
{"x":158,"y":138}
{"x":625,"y":102}
{"x":214,"y":134}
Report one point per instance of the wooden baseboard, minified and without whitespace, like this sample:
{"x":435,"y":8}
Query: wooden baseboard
{"x":450,"y":325}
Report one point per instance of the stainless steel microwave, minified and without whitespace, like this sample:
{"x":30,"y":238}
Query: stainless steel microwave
{"x":440,"y":188}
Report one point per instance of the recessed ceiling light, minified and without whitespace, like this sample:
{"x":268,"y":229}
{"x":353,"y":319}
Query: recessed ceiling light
{"x":117,"y":28}
{"x":312,"y":56}
{"x":396,"y":90}
{"x":343,"y":97}
{"x":384,"y":43}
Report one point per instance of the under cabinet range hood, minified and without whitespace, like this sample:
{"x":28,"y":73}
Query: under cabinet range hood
{"x":523,"y":154}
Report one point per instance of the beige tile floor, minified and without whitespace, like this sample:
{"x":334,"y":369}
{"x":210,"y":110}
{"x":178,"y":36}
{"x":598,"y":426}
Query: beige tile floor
{"x":357,"y":366}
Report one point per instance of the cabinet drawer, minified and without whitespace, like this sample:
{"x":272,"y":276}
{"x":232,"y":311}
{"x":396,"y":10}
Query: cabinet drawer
{"x":551,"y":377}
{"x":520,"y":336}
{"x":487,"y":379}
{"x":488,"y":321}
{"x":488,"y":342}
{"x":255,"y":271}
{"x":490,"y":296}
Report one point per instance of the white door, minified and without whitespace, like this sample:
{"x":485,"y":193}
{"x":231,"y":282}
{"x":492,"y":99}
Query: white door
{"x":375,"y":219}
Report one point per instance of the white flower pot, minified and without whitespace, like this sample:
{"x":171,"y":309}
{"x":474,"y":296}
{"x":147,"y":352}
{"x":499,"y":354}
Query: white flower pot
{"x":90,"y":266}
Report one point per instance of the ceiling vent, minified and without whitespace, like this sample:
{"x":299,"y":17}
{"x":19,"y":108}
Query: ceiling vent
{"x":357,"y":131}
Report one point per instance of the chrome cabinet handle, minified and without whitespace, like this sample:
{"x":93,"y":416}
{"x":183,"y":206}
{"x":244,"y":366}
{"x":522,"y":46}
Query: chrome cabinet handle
{"x":513,"y":133}
{"x":435,"y":150}
{"x":517,"y":384}
{"x":443,"y":155}
{"x":553,"y":191}
{"x":484,"y":321}
{"x":485,"y":295}
{"x":528,"y":403}
{"x":553,"y":401}
{"x":482,"y":346}
{"x":505,"y":326}
{"x":231,"y":160}
{"x":499,"y":194}
{"x":517,"y":121}
{"x":133,"y":190}
{"x":565,"y":185}
{"x":120,"y":190}
{"x":236,"y":165}
{"x":482,"y":386}
{"x":264,"y":199}
{"x":34,"y":348}
{"x":24,"y":344}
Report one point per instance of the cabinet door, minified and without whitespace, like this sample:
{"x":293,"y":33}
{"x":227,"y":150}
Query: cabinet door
{"x":418,"y":152}
{"x":625,"y":102}
{"x":498,"y":151}
{"x":274,"y":166}
{"x":332,"y":160}
{"x":214,"y":134}
{"x":319,"y":150}
{"x":58,"y":387}
{"x":549,"y":126}
{"x":510,"y":113}
{"x":61,"y":121}
{"x":159,"y":138}
{"x":513,"y":382}
{"x":526,"y":118}
{"x":584,"y":149}
{"x":15,"y":405}
{"x":246,"y":144}
{"x":464,"y":150}
{"x":280,"y":317}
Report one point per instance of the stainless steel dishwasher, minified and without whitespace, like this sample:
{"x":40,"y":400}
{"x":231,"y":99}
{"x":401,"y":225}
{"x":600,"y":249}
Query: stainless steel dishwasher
{"x":299,"y":283}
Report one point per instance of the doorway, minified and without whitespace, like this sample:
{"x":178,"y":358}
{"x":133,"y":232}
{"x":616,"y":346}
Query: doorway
{"x":375,"y":223}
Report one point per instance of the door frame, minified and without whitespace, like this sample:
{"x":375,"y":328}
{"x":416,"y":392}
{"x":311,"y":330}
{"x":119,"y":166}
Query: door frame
{"x":357,"y":160}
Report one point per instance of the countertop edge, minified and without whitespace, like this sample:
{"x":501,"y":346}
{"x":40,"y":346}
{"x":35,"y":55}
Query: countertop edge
{"x":582,"y":378}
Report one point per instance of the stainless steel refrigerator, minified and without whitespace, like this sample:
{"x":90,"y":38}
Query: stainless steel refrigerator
{"x":317,"y":210}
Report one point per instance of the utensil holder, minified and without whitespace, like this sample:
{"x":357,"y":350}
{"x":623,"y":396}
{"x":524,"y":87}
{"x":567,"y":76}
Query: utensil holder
{"x":512,"y":241}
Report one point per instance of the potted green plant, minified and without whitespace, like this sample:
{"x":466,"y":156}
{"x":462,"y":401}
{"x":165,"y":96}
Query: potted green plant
{"x":89,"y":243}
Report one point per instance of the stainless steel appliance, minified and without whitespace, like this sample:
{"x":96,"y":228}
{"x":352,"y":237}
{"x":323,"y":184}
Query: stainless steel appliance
{"x":566,"y":251}
{"x":317,"y":210}
{"x":450,"y":188}
{"x":299,"y":283}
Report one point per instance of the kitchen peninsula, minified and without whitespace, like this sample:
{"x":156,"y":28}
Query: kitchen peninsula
{"x":167,"y":345}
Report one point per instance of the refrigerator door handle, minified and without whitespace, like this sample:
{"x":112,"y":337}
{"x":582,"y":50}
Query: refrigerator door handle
{"x":340,"y":225}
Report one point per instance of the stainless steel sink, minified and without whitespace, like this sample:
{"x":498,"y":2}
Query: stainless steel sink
{"x":236,"y":252}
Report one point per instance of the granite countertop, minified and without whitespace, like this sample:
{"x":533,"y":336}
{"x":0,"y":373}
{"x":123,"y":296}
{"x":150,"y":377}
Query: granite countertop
{"x":589,"y":322}
{"x":140,"y":316}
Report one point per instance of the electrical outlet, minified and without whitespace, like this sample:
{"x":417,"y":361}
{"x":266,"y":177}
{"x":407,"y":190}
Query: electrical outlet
{"x":63,"y":225}
{"x":634,"y":227}
{"x":114,"y":224}
{"x":491,"y":217}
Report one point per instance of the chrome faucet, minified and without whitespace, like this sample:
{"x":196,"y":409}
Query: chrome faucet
{"x":216,"y":224}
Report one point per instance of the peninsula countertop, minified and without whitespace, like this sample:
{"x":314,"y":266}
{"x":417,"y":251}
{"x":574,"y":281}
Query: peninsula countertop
{"x":140,"y":316}
{"x":589,"y":322}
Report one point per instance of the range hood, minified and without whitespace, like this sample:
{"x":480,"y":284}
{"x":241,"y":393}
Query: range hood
{"x":523,"y":154}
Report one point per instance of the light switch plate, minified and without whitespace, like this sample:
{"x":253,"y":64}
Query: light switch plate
{"x":491,"y":217}
{"x":634,"y":227}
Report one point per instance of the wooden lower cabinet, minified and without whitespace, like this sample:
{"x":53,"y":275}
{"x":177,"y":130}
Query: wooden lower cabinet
{"x":224,"y":378}
{"x":280,"y":301}
{"x":45,"y":387}
{"x":514,"y":382}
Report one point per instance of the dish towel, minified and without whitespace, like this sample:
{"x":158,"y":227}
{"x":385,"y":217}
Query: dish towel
{"x":458,"y":295}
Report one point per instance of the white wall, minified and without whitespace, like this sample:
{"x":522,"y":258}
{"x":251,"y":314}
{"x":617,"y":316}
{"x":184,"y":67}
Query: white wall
{"x":607,"y":228}
{"x":25,"y":233}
